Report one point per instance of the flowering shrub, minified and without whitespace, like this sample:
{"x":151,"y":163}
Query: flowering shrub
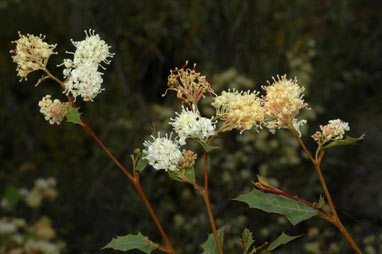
{"x":28,"y":236}
{"x":277,"y":109}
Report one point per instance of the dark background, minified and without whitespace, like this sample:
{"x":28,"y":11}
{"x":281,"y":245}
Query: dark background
{"x":333,"y":47}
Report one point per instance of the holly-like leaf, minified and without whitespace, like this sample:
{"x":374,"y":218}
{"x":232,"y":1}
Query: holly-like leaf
{"x":247,"y":240}
{"x":209,"y":246}
{"x":293,"y":210}
{"x":179,"y":175}
{"x":281,"y":240}
{"x":12,"y":195}
{"x":141,"y":164}
{"x":129,"y":242}
{"x":343,"y":142}
{"x":73,"y":115}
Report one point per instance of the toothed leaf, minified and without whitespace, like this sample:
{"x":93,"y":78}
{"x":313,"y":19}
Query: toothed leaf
{"x":129,"y":242}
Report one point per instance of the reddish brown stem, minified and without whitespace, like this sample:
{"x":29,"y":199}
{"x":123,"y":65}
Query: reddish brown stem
{"x":153,"y":215}
{"x":208,"y":204}
{"x":135,"y":180}
{"x":316,"y":162}
{"x":328,"y":216}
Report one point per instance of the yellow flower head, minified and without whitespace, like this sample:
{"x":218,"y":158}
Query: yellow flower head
{"x":240,"y":110}
{"x":284,"y":99}
{"x":31,"y":54}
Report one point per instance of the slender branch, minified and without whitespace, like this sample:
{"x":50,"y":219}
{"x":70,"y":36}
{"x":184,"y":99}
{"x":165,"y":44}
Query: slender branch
{"x":208,"y":204}
{"x":316,"y":162}
{"x":152,"y":213}
{"x":134,"y":179}
{"x":206,"y":172}
{"x":104,"y":148}
{"x":295,"y":134}
{"x":325,"y":187}
{"x":50,"y":75}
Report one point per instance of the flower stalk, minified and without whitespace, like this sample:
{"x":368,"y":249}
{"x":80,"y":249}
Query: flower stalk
{"x":133,"y":178}
{"x":334,"y":216}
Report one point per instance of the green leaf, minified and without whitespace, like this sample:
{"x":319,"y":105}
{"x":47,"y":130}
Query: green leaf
{"x":321,"y":202}
{"x":281,"y":240}
{"x":208,"y":148}
{"x":293,"y":210}
{"x":129,"y":242}
{"x":247,"y":240}
{"x":209,"y":246}
{"x":175,"y":175}
{"x":12,"y":195}
{"x":73,"y":115}
{"x":178,"y":175}
{"x":141,"y":164}
{"x":190,"y":173}
{"x":344,"y":142}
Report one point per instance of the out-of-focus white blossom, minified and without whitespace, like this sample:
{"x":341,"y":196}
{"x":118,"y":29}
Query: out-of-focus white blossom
{"x":34,"y":198}
{"x":189,"y":124}
{"x":53,"y":111}
{"x":240,"y":110}
{"x":43,"y":229}
{"x":43,"y":247}
{"x":334,"y":130}
{"x":31,"y":54}
{"x":282,"y":102}
{"x":85,"y":81}
{"x":7,"y":228}
{"x":162,"y":153}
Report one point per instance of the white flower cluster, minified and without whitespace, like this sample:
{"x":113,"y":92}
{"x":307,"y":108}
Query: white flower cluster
{"x":85,"y":81}
{"x":189,"y":124}
{"x":83,"y":77}
{"x":53,"y":111}
{"x":162,"y":153}
{"x":43,"y":188}
{"x":334,"y":130}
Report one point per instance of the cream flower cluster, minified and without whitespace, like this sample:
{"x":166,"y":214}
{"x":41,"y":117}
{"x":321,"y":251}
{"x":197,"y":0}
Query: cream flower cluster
{"x":284,"y":99}
{"x":84,"y":79}
{"x":241,"y":110}
{"x":189,"y":124}
{"x":162,"y":153}
{"x":334,"y":130}
{"x":53,"y":111}
{"x":31,"y":54}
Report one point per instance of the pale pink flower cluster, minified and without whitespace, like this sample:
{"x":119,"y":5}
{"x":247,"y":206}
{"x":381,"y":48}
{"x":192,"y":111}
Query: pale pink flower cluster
{"x":54,"y":111}
{"x":31,"y":54}
{"x":334,"y":130}
{"x":84,"y":79}
{"x":282,"y":102}
{"x":240,"y":110}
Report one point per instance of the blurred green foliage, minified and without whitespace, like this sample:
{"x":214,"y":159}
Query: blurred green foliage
{"x":333,"y":47}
